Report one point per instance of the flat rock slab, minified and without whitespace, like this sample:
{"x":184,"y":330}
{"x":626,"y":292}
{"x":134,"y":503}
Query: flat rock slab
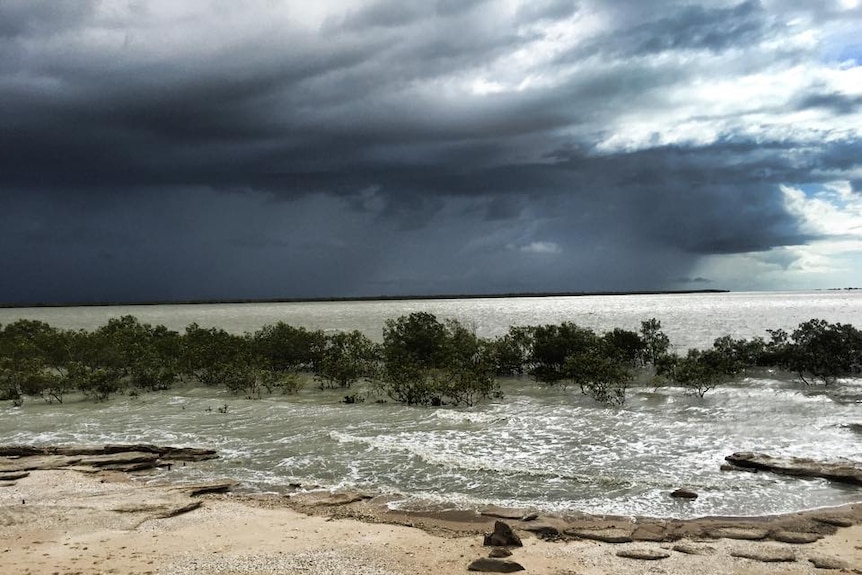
{"x":545,"y":532}
{"x":643,"y":554}
{"x":503,"y":512}
{"x":844,"y":471}
{"x":691,"y":549}
{"x":492,"y":565}
{"x":766,"y":555}
{"x":197,"y":489}
{"x":741,"y":533}
{"x":820,"y":562}
{"x":14,"y":476}
{"x":833,"y":520}
{"x":795,"y":537}
{"x":611,"y":535}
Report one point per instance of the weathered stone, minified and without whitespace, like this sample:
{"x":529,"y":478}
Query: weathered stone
{"x":795,"y":537}
{"x":743,"y":533}
{"x":766,"y":555}
{"x":683,"y":493}
{"x":650,"y":533}
{"x":729,"y":467}
{"x":502,"y":536}
{"x":609,"y":535}
{"x":691,"y":549}
{"x":530,"y":517}
{"x":159,"y":510}
{"x":833,"y":520}
{"x":499,"y":553}
{"x":14,"y":476}
{"x":502,"y":512}
{"x":822,"y":562}
{"x":840,"y":471}
{"x":643,"y":554}
{"x":198,"y":489}
{"x":491,"y":565}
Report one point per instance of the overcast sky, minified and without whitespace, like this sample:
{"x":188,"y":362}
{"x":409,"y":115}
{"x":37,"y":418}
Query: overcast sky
{"x":157,"y":150}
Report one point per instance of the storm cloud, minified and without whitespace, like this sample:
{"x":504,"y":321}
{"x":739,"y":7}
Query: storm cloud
{"x":155,"y":150}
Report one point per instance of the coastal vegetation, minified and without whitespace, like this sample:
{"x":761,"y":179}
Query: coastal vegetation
{"x":421,"y":360}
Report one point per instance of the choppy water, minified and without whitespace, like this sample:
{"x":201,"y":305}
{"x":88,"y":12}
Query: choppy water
{"x":545,"y":448}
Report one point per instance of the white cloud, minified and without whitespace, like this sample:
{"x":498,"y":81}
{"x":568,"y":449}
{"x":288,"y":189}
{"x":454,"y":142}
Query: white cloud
{"x":541,"y":248}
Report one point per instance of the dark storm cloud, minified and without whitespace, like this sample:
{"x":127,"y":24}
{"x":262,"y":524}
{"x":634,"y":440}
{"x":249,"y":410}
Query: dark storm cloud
{"x":177,"y":151}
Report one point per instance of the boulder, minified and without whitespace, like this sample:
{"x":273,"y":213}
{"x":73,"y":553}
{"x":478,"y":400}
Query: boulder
{"x":684,"y":493}
{"x":499,"y":553}
{"x":643,"y":554}
{"x":492,"y":565}
{"x":839,"y":471}
{"x":502,"y":536}
{"x":691,"y":549}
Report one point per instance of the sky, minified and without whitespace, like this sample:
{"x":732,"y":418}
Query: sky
{"x":156,"y":150}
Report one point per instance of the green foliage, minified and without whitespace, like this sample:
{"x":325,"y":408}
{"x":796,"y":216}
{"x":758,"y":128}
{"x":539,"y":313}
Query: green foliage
{"x":283,"y":348}
{"x":698,"y":372}
{"x":512,"y":351}
{"x":655,"y":343}
{"x":553,"y":345}
{"x":599,"y":376}
{"x":819,"y":351}
{"x":347,"y":357}
{"x":427,"y":362}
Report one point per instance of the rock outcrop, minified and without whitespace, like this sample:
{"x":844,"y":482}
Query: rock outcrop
{"x":127,"y":458}
{"x":840,"y":471}
{"x":502,"y":536}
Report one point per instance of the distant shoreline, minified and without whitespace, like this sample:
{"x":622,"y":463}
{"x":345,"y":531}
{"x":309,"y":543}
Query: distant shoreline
{"x":360,"y":298}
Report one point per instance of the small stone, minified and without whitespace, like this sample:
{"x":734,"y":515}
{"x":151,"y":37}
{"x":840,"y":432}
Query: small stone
{"x":766,"y":555}
{"x":499,"y":552}
{"x":503,"y":536}
{"x":530,"y":517}
{"x":795,"y":537}
{"x":821,"y":562}
{"x":643,"y":554}
{"x":683,"y":493}
{"x":491,"y":565}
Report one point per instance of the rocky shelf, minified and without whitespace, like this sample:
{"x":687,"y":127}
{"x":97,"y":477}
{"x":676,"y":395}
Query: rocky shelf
{"x":843,"y":471}
{"x":16,"y":459}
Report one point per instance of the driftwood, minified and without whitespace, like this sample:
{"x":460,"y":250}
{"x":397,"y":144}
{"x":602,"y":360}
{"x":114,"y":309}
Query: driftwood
{"x":840,"y":471}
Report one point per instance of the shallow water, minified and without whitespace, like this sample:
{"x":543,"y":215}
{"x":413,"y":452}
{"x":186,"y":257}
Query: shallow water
{"x":550,"y":449}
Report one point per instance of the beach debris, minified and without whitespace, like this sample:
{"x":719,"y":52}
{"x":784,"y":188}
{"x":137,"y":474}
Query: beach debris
{"x":683,"y":493}
{"x":766,"y":555}
{"x":544,"y":532}
{"x":643,"y":554}
{"x":844,"y":471}
{"x":823,"y":562}
{"x":795,"y":537}
{"x":502,"y":536}
{"x":608,"y":535}
{"x":741,"y":533}
{"x":492,"y":565}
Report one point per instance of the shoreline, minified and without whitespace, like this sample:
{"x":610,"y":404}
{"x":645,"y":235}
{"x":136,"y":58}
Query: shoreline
{"x":68,"y":522}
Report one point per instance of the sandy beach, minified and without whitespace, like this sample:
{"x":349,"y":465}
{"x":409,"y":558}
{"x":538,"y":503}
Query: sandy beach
{"x":67,"y":522}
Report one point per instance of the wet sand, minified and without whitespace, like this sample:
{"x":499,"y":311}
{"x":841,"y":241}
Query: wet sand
{"x":67,"y":522}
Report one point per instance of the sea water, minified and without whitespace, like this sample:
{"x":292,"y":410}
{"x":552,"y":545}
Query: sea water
{"x":549,"y":449}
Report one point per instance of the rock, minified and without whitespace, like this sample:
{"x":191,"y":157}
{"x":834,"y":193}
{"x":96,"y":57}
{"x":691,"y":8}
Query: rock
{"x":840,"y":471}
{"x":857,"y":427}
{"x":14,"y":476}
{"x":643,"y":554}
{"x":729,"y":467}
{"x":499,"y":553}
{"x":197,"y":489}
{"x":766,"y":555}
{"x":650,"y":533}
{"x":795,"y":537}
{"x":159,"y":510}
{"x":683,"y":493}
{"x":833,"y":520}
{"x":691,"y":549}
{"x":743,"y":533}
{"x":821,"y":562}
{"x":503,"y":536}
{"x":544,"y":532}
{"x":609,"y":535}
{"x":502,"y":512}
{"x":530,"y":517}
{"x":491,"y":565}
